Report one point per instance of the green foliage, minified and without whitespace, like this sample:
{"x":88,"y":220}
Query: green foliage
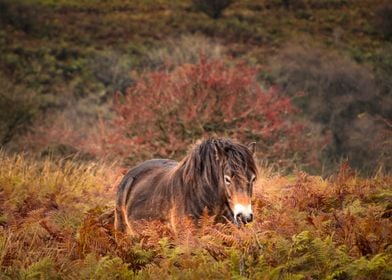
{"x":212,"y":8}
{"x":43,"y":269}
{"x":95,"y":267}
{"x":111,"y":70}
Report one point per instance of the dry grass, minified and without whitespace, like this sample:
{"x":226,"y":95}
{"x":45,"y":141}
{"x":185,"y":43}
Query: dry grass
{"x":54,"y":225}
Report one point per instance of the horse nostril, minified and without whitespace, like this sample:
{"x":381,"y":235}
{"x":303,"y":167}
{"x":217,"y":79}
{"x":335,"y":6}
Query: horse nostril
{"x":247,"y":219}
{"x":244,"y":218}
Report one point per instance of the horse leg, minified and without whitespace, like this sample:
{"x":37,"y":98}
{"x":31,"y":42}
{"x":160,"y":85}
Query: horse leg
{"x":119,"y":224}
{"x":122,"y":224}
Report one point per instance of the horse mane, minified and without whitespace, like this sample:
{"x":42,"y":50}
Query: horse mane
{"x":201,"y":172}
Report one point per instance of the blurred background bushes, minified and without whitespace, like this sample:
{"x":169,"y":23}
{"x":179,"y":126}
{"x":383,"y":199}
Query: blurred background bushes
{"x":62,"y":63}
{"x":342,"y":96}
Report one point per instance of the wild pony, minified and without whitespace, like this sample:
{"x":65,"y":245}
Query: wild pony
{"x":217,"y":175}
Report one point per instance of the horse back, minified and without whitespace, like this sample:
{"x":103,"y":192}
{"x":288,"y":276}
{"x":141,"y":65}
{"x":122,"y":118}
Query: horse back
{"x":138,"y":182}
{"x":138,"y":172}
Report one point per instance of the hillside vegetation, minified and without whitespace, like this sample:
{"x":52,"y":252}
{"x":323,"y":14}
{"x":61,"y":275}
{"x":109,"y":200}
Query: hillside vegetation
{"x":55,"y":224}
{"x":61,"y":63}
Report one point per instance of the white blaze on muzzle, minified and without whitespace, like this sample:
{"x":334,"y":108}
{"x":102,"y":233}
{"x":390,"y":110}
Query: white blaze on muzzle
{"x":244,"y":210}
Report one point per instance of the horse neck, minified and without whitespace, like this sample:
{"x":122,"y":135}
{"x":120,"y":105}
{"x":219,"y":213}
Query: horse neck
{"x":199,"y":191}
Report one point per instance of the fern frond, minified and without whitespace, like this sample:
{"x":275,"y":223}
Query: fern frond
{"x":43,"y":269}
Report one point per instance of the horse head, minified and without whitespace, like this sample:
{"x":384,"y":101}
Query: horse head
{"x":238,"y":175}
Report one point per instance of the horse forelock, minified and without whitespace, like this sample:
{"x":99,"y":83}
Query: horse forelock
{"x":201,"y":166}
{"x":240,"y":160}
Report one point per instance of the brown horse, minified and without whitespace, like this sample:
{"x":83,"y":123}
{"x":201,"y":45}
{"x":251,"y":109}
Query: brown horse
{"x":217,"y":175}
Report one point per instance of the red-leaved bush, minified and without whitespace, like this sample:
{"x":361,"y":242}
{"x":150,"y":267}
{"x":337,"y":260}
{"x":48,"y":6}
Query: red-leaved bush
{"x":166,"y":111}
{"x":163,"y":113}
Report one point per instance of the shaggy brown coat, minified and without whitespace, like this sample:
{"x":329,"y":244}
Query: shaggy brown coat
{"x":163,"y":189}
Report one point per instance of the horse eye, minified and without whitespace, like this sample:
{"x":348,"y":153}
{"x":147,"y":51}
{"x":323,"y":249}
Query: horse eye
{"x":227,"y":180}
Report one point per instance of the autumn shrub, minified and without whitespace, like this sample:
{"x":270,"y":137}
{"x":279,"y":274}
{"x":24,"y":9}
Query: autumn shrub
{"x":178,"y":107}
{"x":338,"y":94}
{"x":165,"y":112}
{"x":212,"y":8}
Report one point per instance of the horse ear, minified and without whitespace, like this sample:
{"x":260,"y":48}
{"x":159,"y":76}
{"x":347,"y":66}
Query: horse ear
{"x":252,"y":147}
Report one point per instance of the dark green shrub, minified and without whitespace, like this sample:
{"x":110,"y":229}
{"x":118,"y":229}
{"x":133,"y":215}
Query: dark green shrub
{"x":212,"y":8}
{"x":27,"y":17}
{"x":111,"y":69}
{"x":18,"y":107}
{"x":383,"y":20}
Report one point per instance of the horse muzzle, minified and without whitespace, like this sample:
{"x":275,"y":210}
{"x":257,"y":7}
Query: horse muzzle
{"x":242,"y":214}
